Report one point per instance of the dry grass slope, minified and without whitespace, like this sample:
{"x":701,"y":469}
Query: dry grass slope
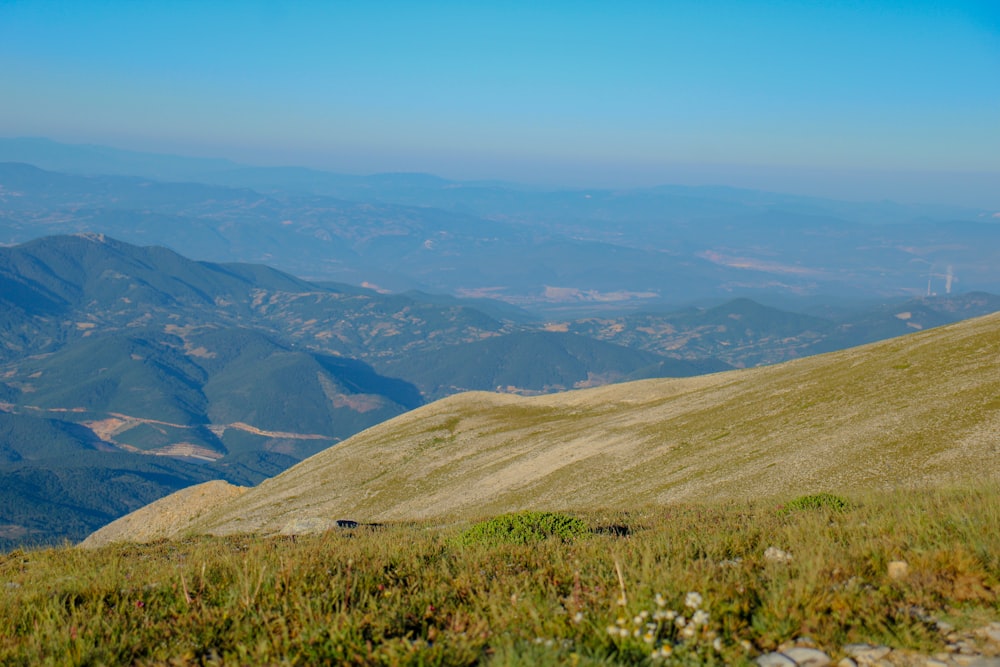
{"x":159,"y":519}
{"x":918,"y":411}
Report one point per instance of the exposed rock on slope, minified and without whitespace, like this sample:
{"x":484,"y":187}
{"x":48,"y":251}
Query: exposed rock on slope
{"x":917,"y":411}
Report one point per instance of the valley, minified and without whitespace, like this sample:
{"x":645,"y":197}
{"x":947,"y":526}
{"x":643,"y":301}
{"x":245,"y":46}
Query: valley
{"x":403,"y":289}
{"x":492,"y":334}
{"x":242,"y":371}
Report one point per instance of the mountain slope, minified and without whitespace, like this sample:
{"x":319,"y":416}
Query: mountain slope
{"x":217,"y":391}
{"x":59,"y":288}
{"x":744,"y":333}
{"x":917,"y":411}
{"x":49,"y":470}
{"x":240,"y":370}
{"x":93,"y":159}
{"x":529,"y":362}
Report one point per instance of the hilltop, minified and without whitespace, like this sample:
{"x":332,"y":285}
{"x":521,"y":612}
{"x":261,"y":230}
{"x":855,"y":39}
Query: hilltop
{"x":919,"y":411}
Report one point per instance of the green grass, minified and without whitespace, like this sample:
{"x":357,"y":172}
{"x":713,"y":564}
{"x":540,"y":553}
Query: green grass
{"x":413,"y":595}
{"x":523,"y":528}
{"x":818,"y":501}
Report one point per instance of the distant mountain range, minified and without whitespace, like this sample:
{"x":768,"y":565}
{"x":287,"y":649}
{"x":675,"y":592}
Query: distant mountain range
{"x":126,"y":366}
{"x":745,"y":333}
{"x":558,"y":253}
{"x":157,"y":369}
{"x":919,"y":411}
{"x":221,"y":371}
{"x":532,"y":362}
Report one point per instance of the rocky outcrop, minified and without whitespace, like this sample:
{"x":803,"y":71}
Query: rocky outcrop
{"x":977,"y":648}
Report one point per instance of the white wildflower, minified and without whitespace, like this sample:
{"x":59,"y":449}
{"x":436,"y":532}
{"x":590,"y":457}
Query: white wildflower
{"x":660,"y":600}
{"x":717,"y":644}
{"x":700,"y":618}
{"x":688,"y":632}
{"x":693,"y":600}
{"x":649,"y":637}
{"x":578,"y":617}
{"x":680,"y":622}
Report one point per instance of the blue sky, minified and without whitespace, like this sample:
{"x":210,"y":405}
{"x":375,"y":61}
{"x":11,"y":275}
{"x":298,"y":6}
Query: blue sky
{"x":855,"y":99}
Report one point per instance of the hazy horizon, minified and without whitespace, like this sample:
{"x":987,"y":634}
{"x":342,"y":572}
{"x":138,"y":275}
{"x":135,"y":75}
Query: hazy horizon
{"x":880,"y":100}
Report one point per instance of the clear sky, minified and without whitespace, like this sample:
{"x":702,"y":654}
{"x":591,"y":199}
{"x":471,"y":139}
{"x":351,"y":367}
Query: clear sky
{"x":861,"y":98}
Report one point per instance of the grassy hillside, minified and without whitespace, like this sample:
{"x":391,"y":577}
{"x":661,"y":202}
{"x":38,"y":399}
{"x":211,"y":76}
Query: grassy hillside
{"x":143,"y":350}
{"x":914,"y":574}
{"x":915,"y":412}
{"x":158,"y":354}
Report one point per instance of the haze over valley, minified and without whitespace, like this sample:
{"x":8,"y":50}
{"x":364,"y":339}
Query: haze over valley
{"x":225,"y":322}
{"x":397,"y":333}
{"x":142,"y":371}
{"x":573,"y":251}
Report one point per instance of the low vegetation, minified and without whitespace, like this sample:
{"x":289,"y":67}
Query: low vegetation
{"x":675,"y":584}
{"x":818,"y":501}
{"x":524,"y":528}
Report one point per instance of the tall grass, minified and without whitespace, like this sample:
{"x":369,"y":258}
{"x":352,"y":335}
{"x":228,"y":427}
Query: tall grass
{"x":415,"y":595}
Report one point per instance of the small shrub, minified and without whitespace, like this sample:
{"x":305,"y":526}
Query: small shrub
{"x":524,"y":528}
{"x":816,"y":501}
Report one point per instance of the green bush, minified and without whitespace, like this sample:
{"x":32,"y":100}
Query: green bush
{"x":816,"y":501}
{"x":524,"y":528}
